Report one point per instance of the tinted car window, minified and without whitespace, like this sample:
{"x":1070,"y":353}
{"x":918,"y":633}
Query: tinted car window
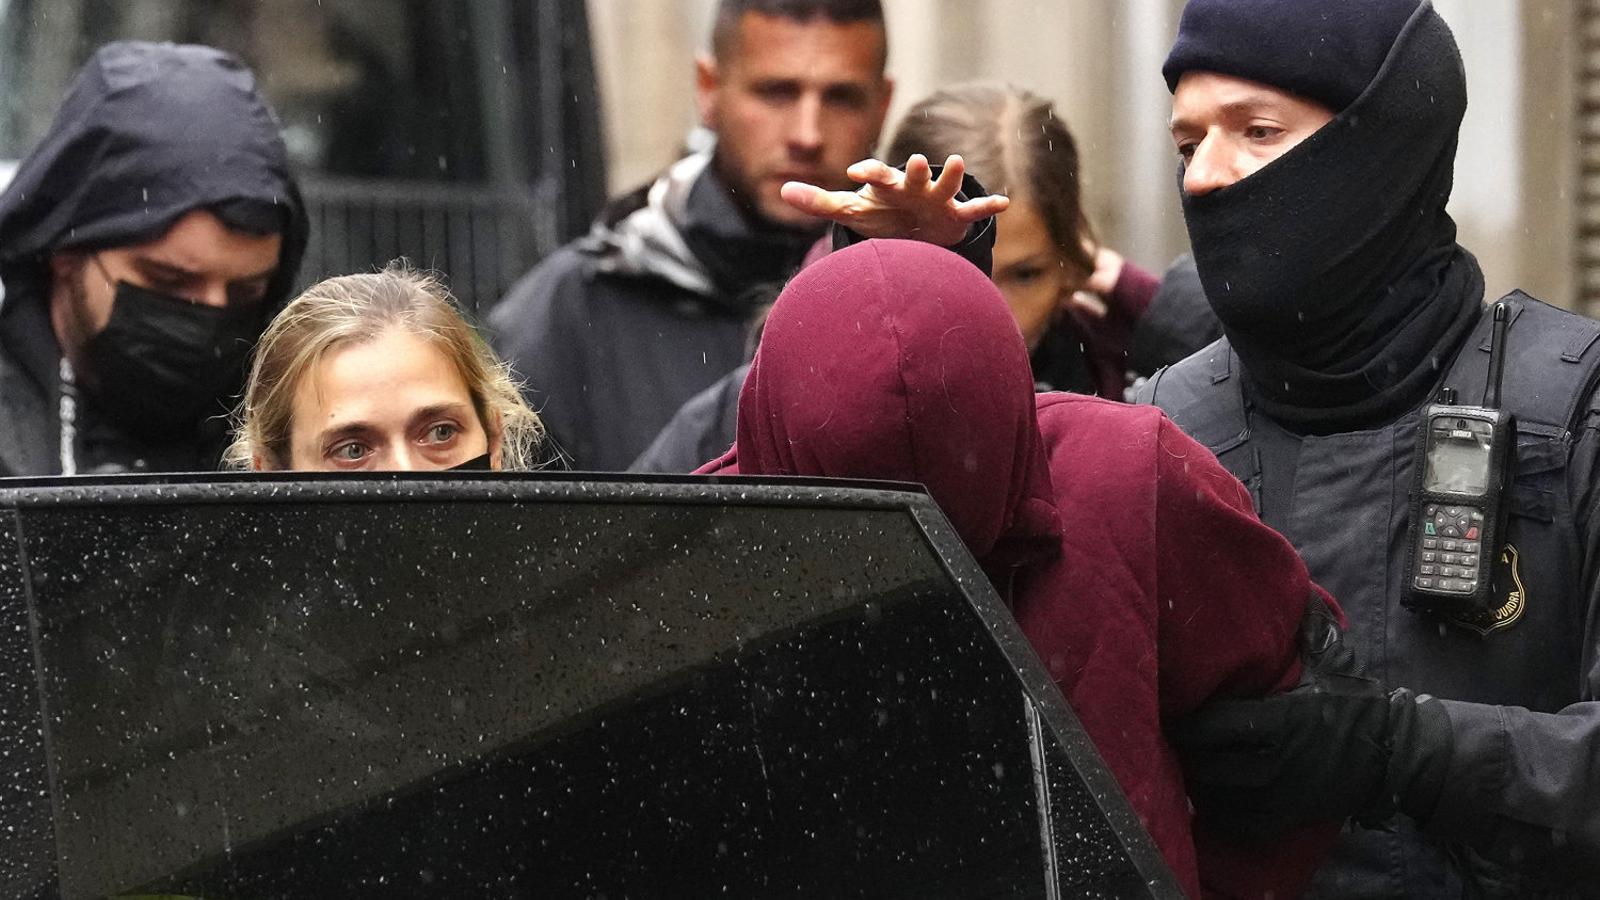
{"x":533,"y":688}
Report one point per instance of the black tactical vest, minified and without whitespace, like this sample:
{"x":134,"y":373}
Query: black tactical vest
{"x":1342,"y":500}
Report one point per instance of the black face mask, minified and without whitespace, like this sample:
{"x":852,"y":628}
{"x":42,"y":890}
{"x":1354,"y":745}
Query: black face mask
{"x":1334,"y":269}
{"x":163,"y":364}
{"x":475,"y":464}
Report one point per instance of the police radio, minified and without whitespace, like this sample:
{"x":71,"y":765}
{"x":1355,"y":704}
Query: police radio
{"x":1458,"y":509}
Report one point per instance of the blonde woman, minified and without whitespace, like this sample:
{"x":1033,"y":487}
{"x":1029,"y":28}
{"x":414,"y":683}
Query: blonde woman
{"x":380,"y":372}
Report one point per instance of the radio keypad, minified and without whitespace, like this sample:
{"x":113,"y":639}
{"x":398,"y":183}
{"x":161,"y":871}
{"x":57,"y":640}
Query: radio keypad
{"x":1449,"y":549}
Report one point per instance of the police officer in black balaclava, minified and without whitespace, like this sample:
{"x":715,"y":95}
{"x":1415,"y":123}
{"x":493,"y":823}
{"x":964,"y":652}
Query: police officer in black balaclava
{"x":144,"y":245}
{"x":1317,"y":140}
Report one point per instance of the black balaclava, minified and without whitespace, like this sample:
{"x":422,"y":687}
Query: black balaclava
{"x":1334,"y":268}
{"x":147,"y":133}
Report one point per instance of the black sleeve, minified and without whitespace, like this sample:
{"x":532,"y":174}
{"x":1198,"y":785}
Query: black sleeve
{"x":539,"y":329}
{"x":1523,"y":787}
{"x":1178,"y":322}
{"x":699,"y":432}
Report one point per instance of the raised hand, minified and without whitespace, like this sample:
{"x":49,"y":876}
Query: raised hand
{"x":896,"y":204}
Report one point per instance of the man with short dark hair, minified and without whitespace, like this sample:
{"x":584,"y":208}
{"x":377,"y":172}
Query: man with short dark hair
{"x":1317,"y":142}
{"x":144,"y":245}
{"x":615,"y":331}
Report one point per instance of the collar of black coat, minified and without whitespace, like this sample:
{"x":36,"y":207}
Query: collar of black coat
{"x":687,"y":229}
{"x":30,"y":396}
{"x":741,"y":250}
{"x":28,"y":339}
{"x":29,"y":379}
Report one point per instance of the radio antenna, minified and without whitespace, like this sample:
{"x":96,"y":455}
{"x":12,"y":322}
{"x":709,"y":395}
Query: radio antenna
{"x":1497,"y":355}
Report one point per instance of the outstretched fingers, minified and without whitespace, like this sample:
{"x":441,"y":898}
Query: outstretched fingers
{"x":970,"y":211}
{"x":813,"y":200}
{"x":875,"y":172}
{"x":896,"y":204}
{"x":919,"y":175}
{"x":949,"y":183}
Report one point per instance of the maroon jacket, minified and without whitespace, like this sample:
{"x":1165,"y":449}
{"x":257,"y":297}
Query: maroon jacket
{"x":1131,"y":558}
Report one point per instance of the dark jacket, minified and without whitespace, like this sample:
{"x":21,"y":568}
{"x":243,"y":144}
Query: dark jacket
{"x":699,"y":432}
{"x":617,"y":330}
{"x":1177,"y":322}
{"x":1134,"y":563}
{"x":1347,"y":305}
{"x":1520,"y":814}
{"x":146,"y":134}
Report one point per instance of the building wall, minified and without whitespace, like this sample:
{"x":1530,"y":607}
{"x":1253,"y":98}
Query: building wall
{"x":1100,"y":61}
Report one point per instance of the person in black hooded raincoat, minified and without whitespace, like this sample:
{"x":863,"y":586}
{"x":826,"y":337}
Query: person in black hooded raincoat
{"x":1325,"y":249}
{"x":145,"y":243}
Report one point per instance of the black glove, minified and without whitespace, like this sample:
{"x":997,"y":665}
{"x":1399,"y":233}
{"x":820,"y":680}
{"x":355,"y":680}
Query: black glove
{"x":1337,"y":745}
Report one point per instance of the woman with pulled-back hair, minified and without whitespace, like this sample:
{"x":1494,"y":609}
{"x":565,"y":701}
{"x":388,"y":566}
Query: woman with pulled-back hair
{"x":1078,"y":304}
{"x":380,"y":372}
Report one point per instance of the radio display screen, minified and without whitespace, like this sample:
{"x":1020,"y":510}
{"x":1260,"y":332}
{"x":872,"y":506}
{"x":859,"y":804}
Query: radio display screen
{"x":1458,"y":457}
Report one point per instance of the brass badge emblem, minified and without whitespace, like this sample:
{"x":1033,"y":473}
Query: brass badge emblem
{"x":1509,"y":580}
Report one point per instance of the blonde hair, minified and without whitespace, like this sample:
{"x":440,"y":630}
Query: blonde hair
{"x":353,"y":309}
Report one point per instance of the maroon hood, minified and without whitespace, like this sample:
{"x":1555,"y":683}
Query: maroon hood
{"x":900,"y":360}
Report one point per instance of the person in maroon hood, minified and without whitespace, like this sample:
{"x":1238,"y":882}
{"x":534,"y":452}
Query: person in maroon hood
{"x":1133,"y":561}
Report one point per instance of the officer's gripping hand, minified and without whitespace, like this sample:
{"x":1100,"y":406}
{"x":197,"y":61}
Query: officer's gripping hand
{"x":1337,"y":745}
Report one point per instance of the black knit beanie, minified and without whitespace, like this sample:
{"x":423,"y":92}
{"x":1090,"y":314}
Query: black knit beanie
{"x":1323,"y":50}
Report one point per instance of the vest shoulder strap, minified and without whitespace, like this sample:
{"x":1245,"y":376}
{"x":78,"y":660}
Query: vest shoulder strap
{"x":1551,"y":369}
{"x":1202,"y":396}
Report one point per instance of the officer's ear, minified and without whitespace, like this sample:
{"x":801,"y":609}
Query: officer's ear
{"x":707,"y":80}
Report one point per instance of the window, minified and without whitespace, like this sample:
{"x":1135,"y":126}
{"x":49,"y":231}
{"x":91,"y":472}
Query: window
{"x":530,"y":688}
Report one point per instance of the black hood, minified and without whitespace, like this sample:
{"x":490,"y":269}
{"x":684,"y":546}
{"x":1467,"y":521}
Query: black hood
{"x":1334,"y":268}
{"x":147,"y":133}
